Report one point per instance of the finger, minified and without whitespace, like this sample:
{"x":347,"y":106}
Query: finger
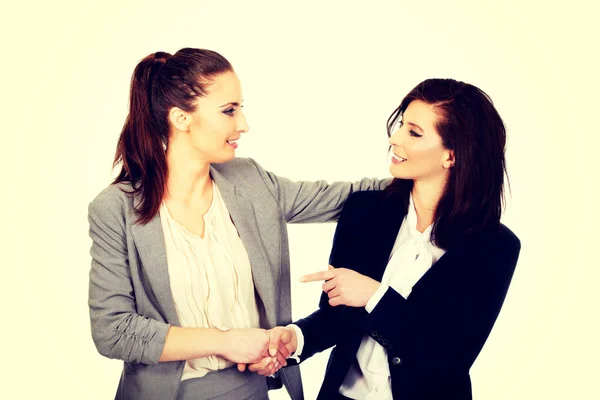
{"x":260,"y":365}
{"x":274,"y":335}
{"x":269,"y":370}
{"x":241,"y":367}
{"x":276,"y":367}
{"x":283,"y":350}
{"x":318,"y":276}
{"x":330,"y":267}
{"x":290,"y":348}
{"x":333,"y":293}
{"x":280,"y":360}
{"x":328,"y":285}
{"x":282,"y":354}
{"x":336,"y":301}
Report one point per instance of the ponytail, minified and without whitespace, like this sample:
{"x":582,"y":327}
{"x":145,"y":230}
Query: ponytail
{"x":141,"y":146}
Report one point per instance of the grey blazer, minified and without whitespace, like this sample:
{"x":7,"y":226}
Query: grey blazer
{"x":130,"y":301}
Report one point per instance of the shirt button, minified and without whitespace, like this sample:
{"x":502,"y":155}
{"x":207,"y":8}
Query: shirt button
{"x":396,"y":361}
{"x":374,"y":333}
{"x":385,"y":342}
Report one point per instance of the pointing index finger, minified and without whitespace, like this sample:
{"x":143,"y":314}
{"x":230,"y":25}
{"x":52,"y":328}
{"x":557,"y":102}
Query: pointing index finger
{"x":318,"y":276}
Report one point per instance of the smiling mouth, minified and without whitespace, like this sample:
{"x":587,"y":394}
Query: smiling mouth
{"x":233,"y":141}
{"x":398,"y":158}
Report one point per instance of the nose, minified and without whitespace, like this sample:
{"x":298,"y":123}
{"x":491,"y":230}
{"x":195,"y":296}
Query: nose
{"x":242,"y":124}
{"x":394,"y":140}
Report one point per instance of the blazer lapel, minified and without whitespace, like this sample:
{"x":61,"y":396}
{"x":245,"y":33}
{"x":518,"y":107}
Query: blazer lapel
{"x":150,"y":243}
{"x":243,"y":216}
{"x":387,"y":229}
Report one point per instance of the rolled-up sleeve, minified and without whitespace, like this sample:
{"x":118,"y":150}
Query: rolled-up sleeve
{"x":117,"y":330}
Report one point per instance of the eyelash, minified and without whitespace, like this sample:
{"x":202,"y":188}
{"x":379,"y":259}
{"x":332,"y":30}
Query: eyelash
{"x":231,"y":111}
{"x":412,"y":133}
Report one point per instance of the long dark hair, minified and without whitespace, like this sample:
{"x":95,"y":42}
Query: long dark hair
{"x":468,"y":123}
{"x":160,"y":82}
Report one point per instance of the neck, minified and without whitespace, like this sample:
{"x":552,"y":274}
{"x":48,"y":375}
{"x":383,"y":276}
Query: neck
{"x":426,"y":196}
{"x":188,"y":177}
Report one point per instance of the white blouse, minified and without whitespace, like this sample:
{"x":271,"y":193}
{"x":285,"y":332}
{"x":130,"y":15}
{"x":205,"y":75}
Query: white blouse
{"x":210,"y":278}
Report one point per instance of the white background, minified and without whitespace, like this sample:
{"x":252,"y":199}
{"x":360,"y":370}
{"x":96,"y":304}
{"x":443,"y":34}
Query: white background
{"x":319,"y":79}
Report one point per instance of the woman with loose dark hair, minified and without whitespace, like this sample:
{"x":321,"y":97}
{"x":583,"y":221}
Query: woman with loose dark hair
{"x":190,"y":259}
{"x":419,"y":271}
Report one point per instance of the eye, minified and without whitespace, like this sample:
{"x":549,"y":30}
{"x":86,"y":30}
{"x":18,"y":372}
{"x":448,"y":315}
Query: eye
{"x":229,"y":111}
{"x":414,"y":134}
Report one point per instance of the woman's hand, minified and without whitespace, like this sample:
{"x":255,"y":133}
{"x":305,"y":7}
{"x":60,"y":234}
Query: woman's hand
{"x":345,"y":286}
{"x":244,"y":345}
{"x":283,"y":342}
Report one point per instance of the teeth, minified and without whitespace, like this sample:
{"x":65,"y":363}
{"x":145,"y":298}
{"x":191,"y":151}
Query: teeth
{"x":399,"y":158}
{"x":232,"y":141}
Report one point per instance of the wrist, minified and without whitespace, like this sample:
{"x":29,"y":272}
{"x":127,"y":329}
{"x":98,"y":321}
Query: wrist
{"x":222,"y":339}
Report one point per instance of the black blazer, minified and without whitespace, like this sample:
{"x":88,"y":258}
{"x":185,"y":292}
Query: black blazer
{"x":433,"y":337}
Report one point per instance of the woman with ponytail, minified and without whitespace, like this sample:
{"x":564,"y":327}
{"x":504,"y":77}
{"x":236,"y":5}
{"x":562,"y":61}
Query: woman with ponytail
{"x":190,"y":259}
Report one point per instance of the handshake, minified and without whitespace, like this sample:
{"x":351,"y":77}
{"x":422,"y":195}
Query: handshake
{"x":262,"y":351}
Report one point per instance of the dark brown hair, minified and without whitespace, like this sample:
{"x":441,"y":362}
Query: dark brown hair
{"x":469,"y":124}
{"x":160,"y":82}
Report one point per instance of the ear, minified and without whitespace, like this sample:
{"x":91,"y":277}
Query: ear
{"x":180,"y":119}
{"x":449,"y":159}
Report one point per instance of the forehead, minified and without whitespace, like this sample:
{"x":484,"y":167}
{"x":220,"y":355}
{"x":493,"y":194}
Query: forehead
{"x":224,"y":88}
{"x":420,"y":113}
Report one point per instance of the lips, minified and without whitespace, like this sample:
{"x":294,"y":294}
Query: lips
{"x":396,"y":158}
{"x":233,"y":143}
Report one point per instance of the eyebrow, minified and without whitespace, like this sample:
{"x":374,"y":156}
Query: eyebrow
{"x":233,"y":103}
{"x":416,"y":126}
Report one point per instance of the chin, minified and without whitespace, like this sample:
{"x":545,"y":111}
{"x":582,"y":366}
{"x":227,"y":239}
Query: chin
{"x":399,"y":174}
{"x":225,"y":158}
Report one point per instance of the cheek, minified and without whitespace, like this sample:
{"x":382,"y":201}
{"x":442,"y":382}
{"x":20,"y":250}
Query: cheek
{"x":426,"y":156}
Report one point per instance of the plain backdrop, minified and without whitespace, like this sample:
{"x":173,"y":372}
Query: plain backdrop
{"x":319,"y":80}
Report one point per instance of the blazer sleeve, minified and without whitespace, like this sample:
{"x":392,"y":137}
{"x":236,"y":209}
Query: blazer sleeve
{"x":318,"y":201}
{"x":323,"y":328}
{"x":117,"y":330}
{"x":448,"y":332}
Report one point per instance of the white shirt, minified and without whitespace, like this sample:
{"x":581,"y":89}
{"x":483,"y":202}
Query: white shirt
{"x":210,"y":278}
{"x":411,"y":257}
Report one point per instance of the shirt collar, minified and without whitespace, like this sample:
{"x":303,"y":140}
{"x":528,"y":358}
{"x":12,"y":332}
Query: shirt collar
{"x":411,"y":219}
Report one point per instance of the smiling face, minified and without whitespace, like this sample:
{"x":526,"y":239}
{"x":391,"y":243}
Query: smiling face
{"x":212,"y":130}
{"x":418,"y":151}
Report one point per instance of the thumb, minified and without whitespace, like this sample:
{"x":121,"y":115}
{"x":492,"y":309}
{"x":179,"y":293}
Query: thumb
{"x":330,"y":267}
{"x":241,"y":367}
{"x":286,"y":336}
{"x":274,"y":335}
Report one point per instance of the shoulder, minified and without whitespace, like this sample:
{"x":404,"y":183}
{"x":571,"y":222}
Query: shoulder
{"x":366,"y":198}
{"x":374,"y":204}
{"x":498,"y":243}
{"x":502,"y":238}
{"x":115,"y":199}
{"x":238,"y":169}
{"x":363,"y":209}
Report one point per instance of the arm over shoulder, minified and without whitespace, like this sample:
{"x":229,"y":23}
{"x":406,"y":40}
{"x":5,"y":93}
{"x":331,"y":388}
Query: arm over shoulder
{"x":304,"y":201}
